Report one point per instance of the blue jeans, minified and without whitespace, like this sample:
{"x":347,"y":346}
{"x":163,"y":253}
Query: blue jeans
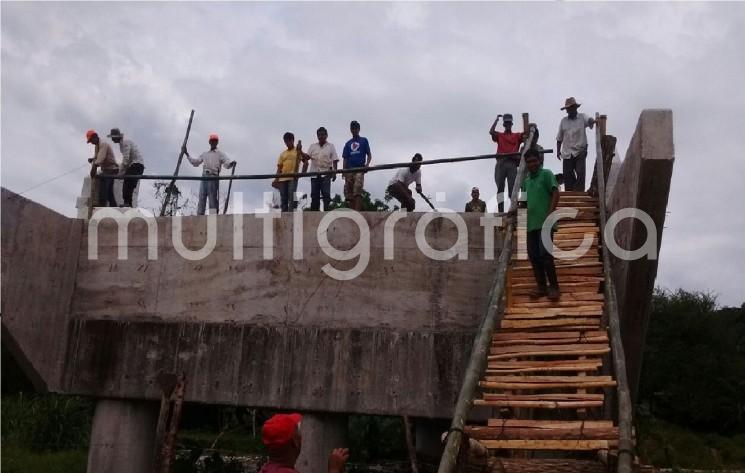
{"x":287,"y":195}
{"x":320,"y":186}
{"x":209,"y":189}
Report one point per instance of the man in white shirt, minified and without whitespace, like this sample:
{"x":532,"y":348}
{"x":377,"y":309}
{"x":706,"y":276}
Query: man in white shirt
{"x":211,"y":161}
{"x":132,"y":164}
{"x":399,"y":185}
{"x":323,"y":157}
{"x":571,"y":145}
{"x":103,"y":157}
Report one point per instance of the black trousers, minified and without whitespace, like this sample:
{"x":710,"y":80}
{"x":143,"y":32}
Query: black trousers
{"x":541,"y":260}
{"x":129,"y":185}
{"x":403,"y":194}
{"x":574,"y":172}
{"x":106,"y":190}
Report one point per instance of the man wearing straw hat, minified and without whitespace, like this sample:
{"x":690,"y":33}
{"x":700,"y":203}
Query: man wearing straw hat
{"x":571,"y":145}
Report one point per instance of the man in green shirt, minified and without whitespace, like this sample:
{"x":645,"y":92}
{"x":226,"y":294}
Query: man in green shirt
{"x":542,"y":197}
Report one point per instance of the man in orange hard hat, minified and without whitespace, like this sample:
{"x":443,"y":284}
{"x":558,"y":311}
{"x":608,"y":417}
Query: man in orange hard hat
{"x":103,"y":157}
{"x":281,"y":437}
{"x":211,"y":161}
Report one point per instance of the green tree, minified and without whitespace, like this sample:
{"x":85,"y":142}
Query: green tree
{"x":368,"y":203}
{"x":694,"y":362}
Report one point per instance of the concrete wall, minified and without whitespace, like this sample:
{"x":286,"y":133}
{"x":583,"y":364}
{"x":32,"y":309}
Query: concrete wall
{"x":268,"y":333}
{"x":643,"y":182}
{"x":40,"y":250}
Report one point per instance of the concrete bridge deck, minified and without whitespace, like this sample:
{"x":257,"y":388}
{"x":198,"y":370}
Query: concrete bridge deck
{"x":278,"y":332}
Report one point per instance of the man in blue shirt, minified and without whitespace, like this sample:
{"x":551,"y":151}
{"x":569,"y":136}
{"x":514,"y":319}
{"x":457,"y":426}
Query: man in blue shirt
{"x":356,"y":154}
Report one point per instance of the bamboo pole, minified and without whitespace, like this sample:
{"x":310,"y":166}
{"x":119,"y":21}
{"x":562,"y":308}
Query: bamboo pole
{"x":625,"y":407}
{"x":482,"y":342}
{"x":178,"y":166}
{"x":379,"y":167}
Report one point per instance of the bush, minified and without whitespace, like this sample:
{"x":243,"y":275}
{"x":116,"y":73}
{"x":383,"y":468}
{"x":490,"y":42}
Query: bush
{"x":48,"y":422}
{"x":694,"y":362}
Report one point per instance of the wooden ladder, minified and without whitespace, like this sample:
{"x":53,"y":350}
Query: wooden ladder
{"x":544,"y":367}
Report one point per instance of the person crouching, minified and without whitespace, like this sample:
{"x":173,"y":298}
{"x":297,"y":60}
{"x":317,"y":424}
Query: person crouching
{"x":399,"y":185}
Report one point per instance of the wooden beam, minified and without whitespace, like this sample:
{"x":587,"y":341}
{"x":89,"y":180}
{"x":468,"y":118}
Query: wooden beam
{"x":548,"y":444}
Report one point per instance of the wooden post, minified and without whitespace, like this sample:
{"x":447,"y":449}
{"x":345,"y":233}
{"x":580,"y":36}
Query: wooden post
{"x":526,"y":122}
{"x":171,"y":402}
{"x":410,"y":444}
{"x":178,"y":166}
{"x":230,"y":187}
{"x":602,"y":123}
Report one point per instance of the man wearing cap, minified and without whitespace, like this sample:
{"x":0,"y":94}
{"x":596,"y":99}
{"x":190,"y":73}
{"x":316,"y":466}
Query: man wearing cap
{"x":103,"y":157}
{"x":506,"y":167}
{"x":356,"y":154}
{"x":132,"y":164}
{"x":281,"y":436}
{"x":399,"y":185}
{"x":571,"y":145}
{"x":211,"y":160}
{"x":476,"y":204}
{"x":323,"y":157}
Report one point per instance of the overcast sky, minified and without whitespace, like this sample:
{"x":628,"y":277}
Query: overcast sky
{"x":426,"y":78}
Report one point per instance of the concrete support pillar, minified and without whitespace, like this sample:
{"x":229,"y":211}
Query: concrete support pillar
{"x":321,"y":433}
{"x":123,"y":436}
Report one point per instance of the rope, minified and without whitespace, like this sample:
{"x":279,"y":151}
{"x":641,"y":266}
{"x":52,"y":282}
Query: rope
{"x":52,"y":179}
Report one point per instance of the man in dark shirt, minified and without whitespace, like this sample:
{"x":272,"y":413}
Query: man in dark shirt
{"x":506,"y":168}
{"x":281,"y":436}
{"x":476,"y":204}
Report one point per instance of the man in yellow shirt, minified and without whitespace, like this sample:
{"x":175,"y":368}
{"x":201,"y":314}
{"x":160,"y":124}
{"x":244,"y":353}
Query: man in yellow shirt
{"x":288,"y":163}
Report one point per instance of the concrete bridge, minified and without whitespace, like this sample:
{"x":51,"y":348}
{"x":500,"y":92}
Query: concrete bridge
{"x":278,"y":332}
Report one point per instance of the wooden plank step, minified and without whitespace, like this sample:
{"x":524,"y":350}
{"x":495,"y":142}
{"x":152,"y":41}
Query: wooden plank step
{"x":567,"y":295}
{"x":552,"y":315}
{"x":556,"y":366}
{"x":519,"y":351}
{"x":545,"y":465}
{"x":545,"y":309}
{"x":562,"y":271}
{"x":518,"y":386}
{"x":518,"y":281}
{"x":563,"y":322}
{"x":546,"y":379}
{"x":569,"y":288}
{"x":537,"y":433}
{"x":590,"y":304}
{"x":551,"y":424}
{"x":574,"y":259}
{"x":568,"y":336}
{"x":537,"y":404}
{"x":549,"y":444}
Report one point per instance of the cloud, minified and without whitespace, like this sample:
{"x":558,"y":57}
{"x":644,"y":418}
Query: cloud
{"x":420,"y":77}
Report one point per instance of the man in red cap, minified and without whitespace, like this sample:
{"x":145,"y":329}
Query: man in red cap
{"x":281,"y":436}
{"x":103,"y":157}
{"x":211,"y":160}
